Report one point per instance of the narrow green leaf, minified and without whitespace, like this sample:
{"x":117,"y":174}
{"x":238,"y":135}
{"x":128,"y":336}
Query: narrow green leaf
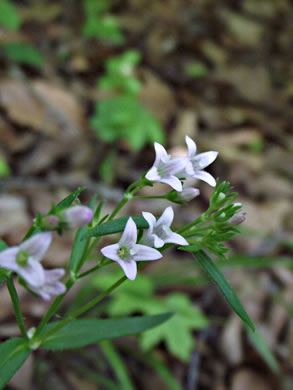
{"x":218,"y":278}
{"x":79,"y":333}
{"x":66,"y":202}
{"x":13,"y":353}
{"x":263,"y":349}
{"x":115,"y":226}
{"x":117,"y":364}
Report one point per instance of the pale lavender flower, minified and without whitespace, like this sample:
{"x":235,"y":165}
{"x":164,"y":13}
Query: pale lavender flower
{"x":165,"y":169}
{"x":159,"y":232}
{"x":25,"y":259}
{"x":127,"y":252}
{"x":77,"y":216}
{"x":188,"y":193}
{"x":52,"y":285}
{"x":197,"y":162}
{"x":238,"y":217}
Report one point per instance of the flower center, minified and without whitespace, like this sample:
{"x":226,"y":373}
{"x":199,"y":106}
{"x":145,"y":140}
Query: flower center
{"x":123,"y":252}
{"x":162,"y":231}
{"x":22,"y":258}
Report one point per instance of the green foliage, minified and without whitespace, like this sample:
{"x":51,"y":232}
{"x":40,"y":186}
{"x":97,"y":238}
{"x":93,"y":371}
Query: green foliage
{"x":221,"y":282}
{"x":122,"y":116}
{"x":79,"y":333}
{"x":99,"y":24}
{"x":139,"y":297}
{"x":13,"y":353}
{"x":4,"y":168}
{"x":23,"y":53}
{"x":196,"y":69}
{"x":9,"y":17}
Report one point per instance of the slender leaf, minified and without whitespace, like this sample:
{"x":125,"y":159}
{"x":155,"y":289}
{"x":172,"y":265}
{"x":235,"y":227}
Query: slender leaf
{"x":69,"y":199}
{"x":13,"y":353}
{"x":263,"y":349}
{"x":79,"y":333}
{"x":218,"y":278}
{"x":117,"y":364}
{"x":115,"y":226}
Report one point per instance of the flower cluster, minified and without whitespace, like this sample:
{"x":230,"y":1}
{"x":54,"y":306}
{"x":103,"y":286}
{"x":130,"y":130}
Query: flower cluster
{"x":127,"y":252}
{"x":173,"y":171}
{"x":25,"y":259}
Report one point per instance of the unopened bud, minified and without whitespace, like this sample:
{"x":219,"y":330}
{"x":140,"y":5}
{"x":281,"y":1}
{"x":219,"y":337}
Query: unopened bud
{"x":50,"y":222}
{"x":188,"y":194}
{"x":237,"y":219}
{"x":77,"y":216}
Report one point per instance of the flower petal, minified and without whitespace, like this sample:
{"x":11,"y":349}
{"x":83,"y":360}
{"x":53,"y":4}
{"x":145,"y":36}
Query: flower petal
{"x":167,"y":217}
{"x":191,"y":145}
{"x":129,"y":268}
{"x":202,"y":160}
{"x":129,"y":235}
{"x":144,"y":253}
{"x":158,"y":242}
{"x":176,"y":238}
{"x":8,"y":259}
{"x":150,"y":218}
{"x":110,"y":252}
{"x":33,"y":273}
{"x":37,"y":245}
{"x":174,"y":166}
{"x":205,"y":176}
{"x":161,"y":154}
{"x":153,"y":174}
{"x":53,"y":275}
{"x":173,"y":182}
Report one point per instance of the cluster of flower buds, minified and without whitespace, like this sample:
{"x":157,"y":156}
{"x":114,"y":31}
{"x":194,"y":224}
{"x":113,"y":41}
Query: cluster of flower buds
{"x":25,"y":259}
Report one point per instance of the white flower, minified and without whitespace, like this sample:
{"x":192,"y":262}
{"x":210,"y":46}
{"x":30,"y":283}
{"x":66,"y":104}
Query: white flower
{"x":127,"y":252}
{"x":197,"y":162}
{"x":25,"y":259}
{"x":165,"y":169}
{"x":77,"y":216}
{"x":159,"y":232}
{"x":52,"y":286}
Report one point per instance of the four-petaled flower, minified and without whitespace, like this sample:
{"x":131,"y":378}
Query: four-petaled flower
{"x":159,"y":232}
{"x":26,"y":258}
{"x":52,"y":285}
{"x":127,"y":252}
{"x":165,"y":169}
{"x":197,"y":162}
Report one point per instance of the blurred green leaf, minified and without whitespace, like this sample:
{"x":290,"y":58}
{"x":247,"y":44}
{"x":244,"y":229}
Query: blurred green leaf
{"x":107,"y":168}
{"x":263,"y":349}
{"x":4,"y":167}
{"x":23,"y":53}
{"x":196,"y":69}
{"x":13,"y":353}
{"x":79,"y":333}
{"x":9,"y":17}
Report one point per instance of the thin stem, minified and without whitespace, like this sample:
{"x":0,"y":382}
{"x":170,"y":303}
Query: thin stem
{"x":118,"y":208}
{"x":84,"y":308}
{"x":16,"y":306}
{"x":96,"y":267}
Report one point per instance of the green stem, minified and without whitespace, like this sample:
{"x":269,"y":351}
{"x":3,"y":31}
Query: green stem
{"x":118,"y":208}
{"x":95,"y":268}
{"x":16,"y":306}
{"x":150,"y":197}
{"x":84,"y":308}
